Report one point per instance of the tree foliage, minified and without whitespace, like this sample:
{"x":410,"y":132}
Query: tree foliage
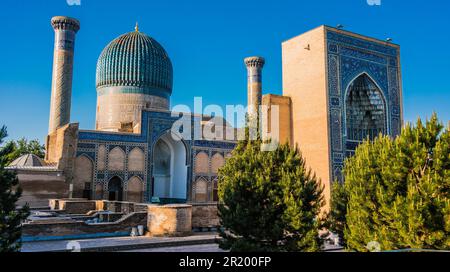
{"x":398,"y":190}
{"x":23,"y":147}
{"x":338,"y":210}
{"x":10,"y":217}
{"x":269,"y":201}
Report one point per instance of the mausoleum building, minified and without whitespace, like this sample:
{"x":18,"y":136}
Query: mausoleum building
{"x":339,"y":88}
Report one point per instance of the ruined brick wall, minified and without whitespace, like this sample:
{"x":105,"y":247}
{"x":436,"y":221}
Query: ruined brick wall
{"x":61,"y":147}
{"x":39,"y":186}
{"x":33,"y":231}
{"x":169,"y":220}
{"x":204,"y":215}
{"x":76,"y":206}
{"x":284,"y":118}
{"x":159,"y":220}
{"x":83,"y":206}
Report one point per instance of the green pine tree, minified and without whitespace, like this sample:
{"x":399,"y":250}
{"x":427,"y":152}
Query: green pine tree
{"x":335,"y":221}
{"x":10,"y":217}
{"x":269,"y":201}
{"x":398,"y":190}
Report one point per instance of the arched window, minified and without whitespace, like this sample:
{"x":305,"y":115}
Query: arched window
{"x":135,"y":190}
{"x":115,"y":189}
{"x":116,"y":159}
{"x":201,"y":190}
{"x":365,"y":110}
{"x":136,"y":160}
{"x":217,"y":161}
{"x":201,"y":163}
{"x":83,"y":177}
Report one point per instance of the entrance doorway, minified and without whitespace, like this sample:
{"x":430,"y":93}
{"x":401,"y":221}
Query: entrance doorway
{"x":169,"y":168}
{"x":115,"y":189}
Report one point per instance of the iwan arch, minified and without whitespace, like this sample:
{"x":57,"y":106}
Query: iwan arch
{"x":338,"y":89}
{"x":170,"y":158}
{"x":344,"y":87}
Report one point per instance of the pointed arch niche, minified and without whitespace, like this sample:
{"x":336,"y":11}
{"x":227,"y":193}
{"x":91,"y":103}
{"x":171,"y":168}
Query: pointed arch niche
{"x":170,"y":168}
{"x":365,"y":110}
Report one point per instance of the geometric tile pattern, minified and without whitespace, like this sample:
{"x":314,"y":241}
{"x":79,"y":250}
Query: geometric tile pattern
{"x":349,"y":57}
{"x":135,"y":59}
{"x":154,"y":125}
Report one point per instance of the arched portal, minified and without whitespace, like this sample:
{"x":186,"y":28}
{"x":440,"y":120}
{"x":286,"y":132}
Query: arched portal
{"x":365,"y":110}
{"x":169,"y":168}
{"x":115,"y":189}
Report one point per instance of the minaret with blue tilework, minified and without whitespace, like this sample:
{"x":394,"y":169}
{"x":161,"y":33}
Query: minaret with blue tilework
{"x":65,"y":30}
{"x":254,"y":72}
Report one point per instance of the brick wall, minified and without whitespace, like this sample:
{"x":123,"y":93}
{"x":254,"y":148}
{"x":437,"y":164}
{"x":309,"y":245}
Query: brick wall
{"x":204,"y":215}
{"x":160,"y":220}
{"x":39,"y":186}
{"x":76,"y":206}
{"x":80,"y":229}
{"x":169,"y":220}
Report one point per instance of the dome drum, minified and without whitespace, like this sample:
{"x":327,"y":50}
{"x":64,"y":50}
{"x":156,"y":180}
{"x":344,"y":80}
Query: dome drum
{"x":110,"y":90}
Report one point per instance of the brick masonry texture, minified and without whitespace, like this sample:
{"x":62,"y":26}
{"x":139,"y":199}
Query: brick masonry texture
{"x":159,"y":220}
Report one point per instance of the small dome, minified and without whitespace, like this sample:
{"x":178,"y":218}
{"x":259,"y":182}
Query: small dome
{"x":136,"y":60}
{"x":28,"y":160}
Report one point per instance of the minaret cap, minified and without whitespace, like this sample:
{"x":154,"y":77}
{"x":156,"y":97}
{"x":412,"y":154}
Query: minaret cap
{"x":65,"y":23}
{"x":255,"y":61}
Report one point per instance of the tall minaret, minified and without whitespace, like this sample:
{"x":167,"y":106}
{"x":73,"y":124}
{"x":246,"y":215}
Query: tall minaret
{"x":65,"y":30}
{"x":254,"y":87}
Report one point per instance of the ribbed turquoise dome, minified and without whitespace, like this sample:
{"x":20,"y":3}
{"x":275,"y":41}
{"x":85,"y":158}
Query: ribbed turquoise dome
{"x":135,"y":60}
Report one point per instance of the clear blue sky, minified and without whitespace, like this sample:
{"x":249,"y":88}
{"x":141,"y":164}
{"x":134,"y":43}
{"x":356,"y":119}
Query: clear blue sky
{"x":207,"y":41}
